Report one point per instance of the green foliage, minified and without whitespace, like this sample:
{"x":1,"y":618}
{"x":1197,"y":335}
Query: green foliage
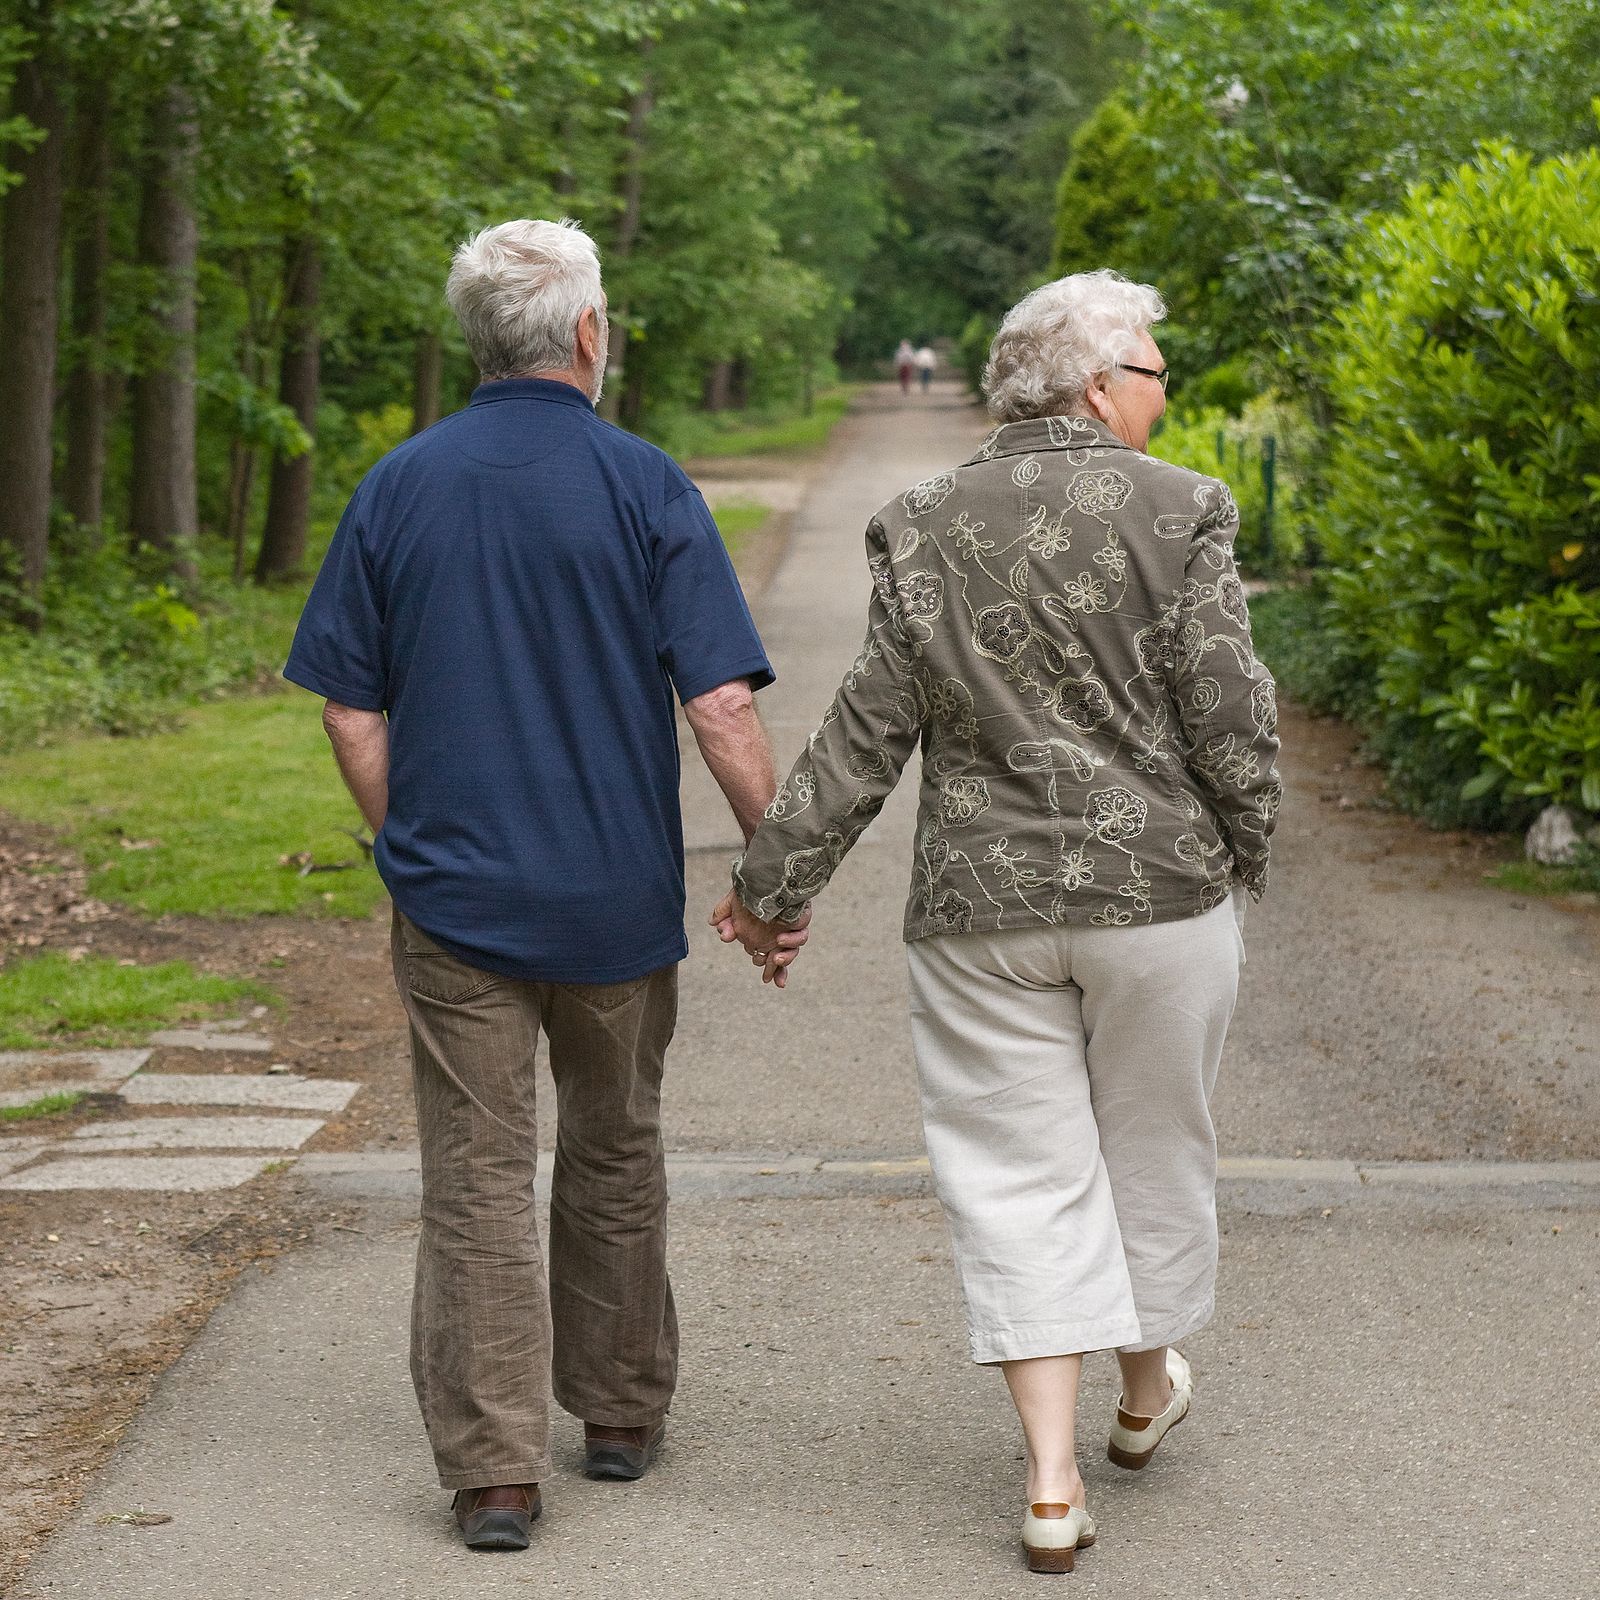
{"x":690,"y":435}
{"x":1238,"y":449}
{"x":1272,"y":129}
{"x":1462,"y":507}
{"x":1104,"y":190}
{"x":1529,"y":877}
{"x":49,"y":999}
{"x":220,"y":814}
{"x":972,"y":349}
{"x":121,"y":651}
{"x":49,"y":1105}
{"x":740,"y":521}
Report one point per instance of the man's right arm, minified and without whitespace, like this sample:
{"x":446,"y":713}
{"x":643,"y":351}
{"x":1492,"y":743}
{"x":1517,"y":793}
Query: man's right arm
{"x":734,"y":745}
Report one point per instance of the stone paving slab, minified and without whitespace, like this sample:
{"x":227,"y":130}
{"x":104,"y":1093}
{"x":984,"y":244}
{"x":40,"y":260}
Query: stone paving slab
{"x":29,"y":1075}
{"x":175,"y":1174}
{"x":16,"y":1153}
{"x":282,"y":1091}
{"x":211,"y":1039}
{"x":197,"y":1133}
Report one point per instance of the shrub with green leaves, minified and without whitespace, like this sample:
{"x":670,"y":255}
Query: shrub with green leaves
{"x":1461,"y":518}
{"x":1236,"y":449}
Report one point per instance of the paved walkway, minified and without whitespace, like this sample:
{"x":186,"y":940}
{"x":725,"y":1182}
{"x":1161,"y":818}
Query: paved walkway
{"x":1391,"y":1401}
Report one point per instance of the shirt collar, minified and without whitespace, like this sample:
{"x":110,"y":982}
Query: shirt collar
{"x":530,"y":389}
{"x":1047,"y":433}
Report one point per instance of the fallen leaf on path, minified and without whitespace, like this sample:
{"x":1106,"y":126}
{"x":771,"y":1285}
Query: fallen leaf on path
{"x":135,"y":1519}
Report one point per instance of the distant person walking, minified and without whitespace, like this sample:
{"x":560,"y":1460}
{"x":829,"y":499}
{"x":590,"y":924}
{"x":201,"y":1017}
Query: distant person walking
{"x":905,"y":363}
{"x":927,"y":361}
{"x":1059,"y":627}
{"x":508,"y":607}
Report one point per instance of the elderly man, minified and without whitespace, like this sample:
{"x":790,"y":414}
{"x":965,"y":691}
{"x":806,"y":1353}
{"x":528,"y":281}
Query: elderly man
{"x":509,"y":603}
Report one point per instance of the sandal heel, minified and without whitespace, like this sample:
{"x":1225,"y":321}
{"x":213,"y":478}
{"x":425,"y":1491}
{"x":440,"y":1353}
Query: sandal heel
{"x":1049,"y":1560}
{"x":1119,"y":1457}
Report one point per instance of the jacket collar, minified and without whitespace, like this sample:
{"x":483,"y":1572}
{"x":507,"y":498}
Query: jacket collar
{"x":1047,"y":433}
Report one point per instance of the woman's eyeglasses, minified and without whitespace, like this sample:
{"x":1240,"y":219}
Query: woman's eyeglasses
{"x":1161,"y":377}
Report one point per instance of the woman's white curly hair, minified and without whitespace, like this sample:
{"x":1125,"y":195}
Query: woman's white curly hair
{"x":1056,"y":340}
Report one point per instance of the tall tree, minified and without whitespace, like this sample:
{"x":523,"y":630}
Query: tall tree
{"x":283,"y":541}
{"x":30,"y":255}
{"x":164,"y":509}
{"x":87,"y":390}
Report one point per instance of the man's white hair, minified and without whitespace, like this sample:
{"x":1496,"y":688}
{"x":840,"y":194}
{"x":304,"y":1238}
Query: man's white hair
{"x":518,"y":290}
{"x":1054,"y":341}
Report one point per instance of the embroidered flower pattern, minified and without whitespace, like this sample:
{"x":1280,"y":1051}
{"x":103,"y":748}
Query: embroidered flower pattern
{"x":928,"y":495}
{"x":1084,"y":593}
{"x":1083,"y":703}
{"x":1115,"y":815}
{"x":1098,"y":494}
{"x":1076,"y":871}
{"x":963,"y":800}
{"x":1002,"y":631}
{"x":1114,"y":559}
{"x":1047,"y":536}
{"x":921,"y":595}
{"x":952,"y":912}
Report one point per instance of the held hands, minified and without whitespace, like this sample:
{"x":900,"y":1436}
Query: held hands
{"x":772,"y":946}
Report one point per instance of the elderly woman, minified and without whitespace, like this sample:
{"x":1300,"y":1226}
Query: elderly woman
{"x":1060,"y":626}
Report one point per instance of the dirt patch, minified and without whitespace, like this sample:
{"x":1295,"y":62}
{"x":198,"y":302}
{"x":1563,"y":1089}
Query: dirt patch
{"x":102,"y":1292}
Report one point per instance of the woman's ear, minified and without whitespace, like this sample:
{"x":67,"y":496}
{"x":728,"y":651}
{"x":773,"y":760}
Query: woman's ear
{"x":1097,"y":399}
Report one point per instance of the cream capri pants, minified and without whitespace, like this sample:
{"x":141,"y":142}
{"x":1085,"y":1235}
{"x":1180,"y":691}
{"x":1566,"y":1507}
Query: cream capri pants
{"x":1066,"y":1078}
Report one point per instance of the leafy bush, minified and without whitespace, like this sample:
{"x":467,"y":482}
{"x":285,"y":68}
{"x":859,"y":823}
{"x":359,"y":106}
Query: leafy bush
{"x":121,"y":651}
{"x":1236,"y":449}
{"x":972,"y":350}
{"x":1462,"y":508}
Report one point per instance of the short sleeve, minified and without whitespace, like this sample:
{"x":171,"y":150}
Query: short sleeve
{"x":338,"y":646}
{"x":704,"y":632}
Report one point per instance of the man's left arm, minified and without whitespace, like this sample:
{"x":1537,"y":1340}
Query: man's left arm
{"x":360,"y":741}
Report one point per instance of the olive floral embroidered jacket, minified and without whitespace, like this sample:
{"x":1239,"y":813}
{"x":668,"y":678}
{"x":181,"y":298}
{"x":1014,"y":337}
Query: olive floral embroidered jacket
{"x":1060,"y":625}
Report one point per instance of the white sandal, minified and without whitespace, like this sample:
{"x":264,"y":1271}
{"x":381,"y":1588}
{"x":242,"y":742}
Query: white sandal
{"x":1052,"y":1534}
{"x":1134,"y":1439}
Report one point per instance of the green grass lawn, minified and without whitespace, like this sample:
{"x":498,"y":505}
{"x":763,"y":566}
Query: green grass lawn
{"x":50,"y":1105}
{"x":50,"y":999}
{"x":196,"y":821}
{"x":687,"y":434}
{"x":739,"y":521}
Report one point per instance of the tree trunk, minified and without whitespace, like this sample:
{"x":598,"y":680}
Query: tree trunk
{"x":283,"y":540}
{"x":164,"y":511}
{"x":241,"y":484}
{"x":427,"y":379}
{"x":30,"y":260}
{"x":639,"y":109}
{"x":719,"y":383}
{"x":87,"y":390}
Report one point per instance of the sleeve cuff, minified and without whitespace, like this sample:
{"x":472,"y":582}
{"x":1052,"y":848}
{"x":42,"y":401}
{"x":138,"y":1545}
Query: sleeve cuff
{"x":757,"y":669}
{"x":297,"y":672}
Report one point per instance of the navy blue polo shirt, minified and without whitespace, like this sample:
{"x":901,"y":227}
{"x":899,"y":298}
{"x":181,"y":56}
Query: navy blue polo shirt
{"x":522,"y":588}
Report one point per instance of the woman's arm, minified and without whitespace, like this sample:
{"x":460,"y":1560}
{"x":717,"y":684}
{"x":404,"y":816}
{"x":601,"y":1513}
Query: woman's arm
{"x":1227,"y":701}
{"x":847,"y":770}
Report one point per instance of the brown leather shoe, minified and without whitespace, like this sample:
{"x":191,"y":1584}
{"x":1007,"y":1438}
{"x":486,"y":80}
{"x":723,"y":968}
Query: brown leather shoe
{"x":620,"y":1452}
{"x":498,"y":1517}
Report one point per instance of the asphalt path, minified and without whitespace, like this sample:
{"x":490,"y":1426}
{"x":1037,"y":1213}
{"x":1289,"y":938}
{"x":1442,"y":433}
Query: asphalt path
{"x":1392,"y":1401}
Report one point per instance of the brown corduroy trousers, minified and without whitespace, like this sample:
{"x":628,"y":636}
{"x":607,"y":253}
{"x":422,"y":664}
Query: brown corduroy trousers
{"x":489,"y":1338}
